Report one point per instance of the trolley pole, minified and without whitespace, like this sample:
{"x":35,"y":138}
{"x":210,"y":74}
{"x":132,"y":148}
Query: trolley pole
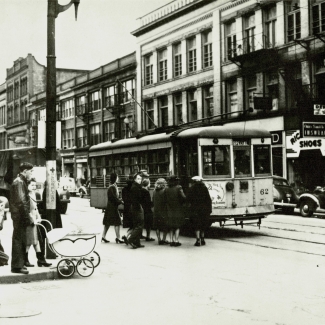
{"x":54,"y":8}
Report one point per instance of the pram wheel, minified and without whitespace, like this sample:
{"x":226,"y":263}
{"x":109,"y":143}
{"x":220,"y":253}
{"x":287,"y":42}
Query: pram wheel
{"x":66,"y":268}
{"x":94,"y":257}
{"x":85,"y":267}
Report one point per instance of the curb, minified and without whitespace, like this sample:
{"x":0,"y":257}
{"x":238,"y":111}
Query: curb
{"x":11,"y":278}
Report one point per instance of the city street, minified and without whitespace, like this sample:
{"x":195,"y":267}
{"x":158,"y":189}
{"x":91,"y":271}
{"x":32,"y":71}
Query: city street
{"x":272,"y":275}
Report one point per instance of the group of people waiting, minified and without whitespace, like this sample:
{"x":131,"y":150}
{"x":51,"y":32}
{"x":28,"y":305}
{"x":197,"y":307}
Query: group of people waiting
{"x":165,"y":211}
{"x":25,"y":217}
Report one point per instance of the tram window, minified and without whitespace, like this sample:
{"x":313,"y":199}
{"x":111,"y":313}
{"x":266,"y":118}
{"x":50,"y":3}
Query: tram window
{"x":216,"y":161}
{"x":242,"y":161}
{"x":261,"y":159}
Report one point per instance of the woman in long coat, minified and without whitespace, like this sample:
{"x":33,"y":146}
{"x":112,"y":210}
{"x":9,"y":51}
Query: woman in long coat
{"x":160,"y":210}
{"x":200,"y":208}
{"x":112,"y":215}
{"x":175,"y":199}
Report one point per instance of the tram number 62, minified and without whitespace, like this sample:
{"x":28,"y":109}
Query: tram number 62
{"x":264,"y":191}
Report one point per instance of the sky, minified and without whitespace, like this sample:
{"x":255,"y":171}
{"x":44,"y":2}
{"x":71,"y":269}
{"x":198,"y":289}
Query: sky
{"x":101,"y":34}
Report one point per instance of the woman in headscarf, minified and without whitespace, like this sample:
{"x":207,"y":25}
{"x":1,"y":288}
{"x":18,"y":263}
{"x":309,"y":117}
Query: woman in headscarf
{"x":160,"y":210}
{"x":112,"y":215}
{"x":200,"y":208}
{"x":175,"y":199}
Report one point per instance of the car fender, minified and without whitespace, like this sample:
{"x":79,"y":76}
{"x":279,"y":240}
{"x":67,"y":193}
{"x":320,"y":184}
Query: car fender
{"x":309,"y":196}
{"x":83,"y":188}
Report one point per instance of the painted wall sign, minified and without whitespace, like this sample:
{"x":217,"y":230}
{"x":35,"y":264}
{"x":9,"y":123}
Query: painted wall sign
{"x":218,"y":193}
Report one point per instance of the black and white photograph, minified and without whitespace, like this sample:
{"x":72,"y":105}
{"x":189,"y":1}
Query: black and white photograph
{"x":162,"y":162}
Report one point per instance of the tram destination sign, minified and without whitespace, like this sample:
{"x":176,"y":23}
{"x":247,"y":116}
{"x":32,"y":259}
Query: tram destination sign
{"x":313,"y":129}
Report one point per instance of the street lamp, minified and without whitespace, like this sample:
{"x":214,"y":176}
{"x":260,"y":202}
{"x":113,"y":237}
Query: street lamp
{"x":53,"y":10}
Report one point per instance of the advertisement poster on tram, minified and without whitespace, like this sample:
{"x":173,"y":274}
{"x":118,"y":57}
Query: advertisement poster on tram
{"x":217,"y":192}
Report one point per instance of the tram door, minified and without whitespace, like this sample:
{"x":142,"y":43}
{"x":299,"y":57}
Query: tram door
{"x":186,"y":161}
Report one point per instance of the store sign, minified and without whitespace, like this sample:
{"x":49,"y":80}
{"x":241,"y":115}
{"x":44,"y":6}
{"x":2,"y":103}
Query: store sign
{"x":295,"y":143}
{"x":313,"y":129}
{"x":276,"y":137}
{"x":319,"y":109}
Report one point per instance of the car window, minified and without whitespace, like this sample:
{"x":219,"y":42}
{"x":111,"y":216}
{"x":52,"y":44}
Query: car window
{"x":280,"y":182}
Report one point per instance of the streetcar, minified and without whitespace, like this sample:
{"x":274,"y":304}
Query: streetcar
{"x":235,"y":164}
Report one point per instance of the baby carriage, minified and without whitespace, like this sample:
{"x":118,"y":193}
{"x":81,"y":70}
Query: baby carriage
{"x":75,"y":249}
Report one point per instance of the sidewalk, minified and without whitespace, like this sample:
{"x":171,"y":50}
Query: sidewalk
{"x":35,"y":273}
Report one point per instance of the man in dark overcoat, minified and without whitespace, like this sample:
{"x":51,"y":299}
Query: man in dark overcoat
{"x":20,"y":208}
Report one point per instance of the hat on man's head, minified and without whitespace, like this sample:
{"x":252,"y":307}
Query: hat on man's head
{"x":144,"y":173}
{"x":197,"y":178}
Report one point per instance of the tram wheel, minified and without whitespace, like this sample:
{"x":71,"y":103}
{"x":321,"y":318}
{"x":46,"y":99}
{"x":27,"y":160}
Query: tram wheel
{"x":66,"y":268}
{"x":306,"y":208}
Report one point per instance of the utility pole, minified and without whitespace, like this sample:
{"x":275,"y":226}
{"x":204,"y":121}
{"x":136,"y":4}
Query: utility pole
{"x":53,"y":10}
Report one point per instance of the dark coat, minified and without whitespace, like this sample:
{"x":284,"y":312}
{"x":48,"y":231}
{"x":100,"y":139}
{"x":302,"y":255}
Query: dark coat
{"x":159,"y":209}
{"x":20,"y":202}
{"x":199,"y":205}
{"x":175,"y":199}
{"x":126,"y":197}
{"x":136,"y":201}
{"x":147,"y":208}
{"x":112,"y":216}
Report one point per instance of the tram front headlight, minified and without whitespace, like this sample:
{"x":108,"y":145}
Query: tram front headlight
{"x":230,"y":186}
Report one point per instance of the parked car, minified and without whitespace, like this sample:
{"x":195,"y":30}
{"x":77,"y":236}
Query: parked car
{"x":284,"y":195}
{"x":74,"y":188}
{"x":312,"y":202}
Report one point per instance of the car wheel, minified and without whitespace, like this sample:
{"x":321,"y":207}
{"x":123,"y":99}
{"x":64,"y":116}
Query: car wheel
{"x":307,"y":208}
{"x":81,"y":193}
{"x":64,"y":207}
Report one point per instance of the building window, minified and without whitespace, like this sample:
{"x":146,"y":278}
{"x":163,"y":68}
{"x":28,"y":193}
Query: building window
{"x":230,"y":31}
{"x":23,"y":86}
{"x":68,"y":109}
{"x":178,"y":108}
{"x":3,"y":140}
{"x":2,"y":115}
{"x":94,"y":104}
{"x":16,"y":113}
{"x":191,"y":54}
{"x":207,"y":49}
{"x":94,"y":134}
{"x":162,"y":60}
{"x":192,"y":105}
{"x":149,"y":116}
{"x":109,"y":130}
{"x":110,"y":93}
{"x":163,"y":111}
{"x":208,"y":101}
{"x":270,"y":26}
{"x":81,"y":106}
{"x":81,"y":137}
{"x":272,"y":88}
{"x":294,"y":22}
{"x":250,"y":90}
{"x":127,"y":90}
{"x":232,"y":95}
{"x":249,"y":31}
{"x":319,"y":18}
{"x":68,"y":139}
{"x":23,"y":111}
{"x":10,"y":93}
{"x":16,"y":90}
{"x":177,"y":51}
{"x":148,"y":63}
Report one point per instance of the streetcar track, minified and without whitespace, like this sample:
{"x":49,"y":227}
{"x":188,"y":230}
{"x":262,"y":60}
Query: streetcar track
{"x":293,"y":230}
{"x":271,"y":247}
{"x":295,"y":224}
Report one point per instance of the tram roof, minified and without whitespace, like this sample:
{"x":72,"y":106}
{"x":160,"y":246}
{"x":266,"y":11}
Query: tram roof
{"x":221,"y":131}
{"x":154,"y":141}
